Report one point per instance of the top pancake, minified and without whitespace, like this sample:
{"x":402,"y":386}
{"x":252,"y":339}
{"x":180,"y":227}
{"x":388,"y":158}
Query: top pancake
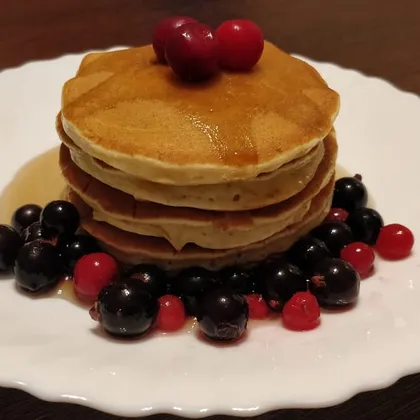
{"x":137,"y":116}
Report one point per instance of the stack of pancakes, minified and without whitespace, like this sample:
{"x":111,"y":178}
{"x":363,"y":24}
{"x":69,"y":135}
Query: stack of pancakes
{"x":228,"y":171}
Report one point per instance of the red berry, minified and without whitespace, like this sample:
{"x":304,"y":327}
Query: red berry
{"x":92,"y":273}
{"x":301,"y":312}
{"x":241,"y":44}
{"x":193,"y":52}
{"x":395,"y":242}
{"x":258,"y":309}
{"x":337,"y":215}
{"x":163,"y":31}
{"x":171,"y":315}
{"x":360,"y":256}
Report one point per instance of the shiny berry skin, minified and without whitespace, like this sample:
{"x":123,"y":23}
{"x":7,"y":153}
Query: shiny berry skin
{"x":192,"y":283}
{"x":192,"y":51}
{"x":60,"y":216}
{"x":301,"y":312}
{"x":25,"y":215}
{"x":92,"y":273}
{"x":365,"y":223}
{"x":281,"y":281}
{"x":335,"y":235}
{"x":10,"y":244}
{"x":335,"y":283}
{"x":37,"y":231}
{"x":125,"y":309}
{"x":350,"y":193}
{"x":241,"y":44}
{"x":237,"y":279}
{"x":337,"y":215}
{"x":395,"y":242}
{"x":223,"y":315}
{"x":360,"y":256}
{"x":307,"y":252}
{"x":258,"y":309}
{"x":38,"y":266}
{"x":153,"y":279}
{"x":171,"y":316}
{"x":164,"y":30}
{"x":74,"y":247}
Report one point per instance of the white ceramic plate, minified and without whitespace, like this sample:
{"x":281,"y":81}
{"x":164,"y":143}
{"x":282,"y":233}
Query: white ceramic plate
{"x":49,"y":347}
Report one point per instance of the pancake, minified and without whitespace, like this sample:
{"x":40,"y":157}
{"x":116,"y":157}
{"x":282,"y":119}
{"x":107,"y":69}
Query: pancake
{"x":135,"y":115}
{"x":181,"y":225}
{"x":130,"y":248}
{"x":264,"y":190}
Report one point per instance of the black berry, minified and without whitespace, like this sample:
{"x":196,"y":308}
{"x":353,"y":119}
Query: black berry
{"x":335,"y":283}
{"x":10,"y":244}
{"x":24,"y":216}
{"x":152,"y":278}
{"x":365,"y":224}
{"x":237,"y":279}
{"x":125,"y":309}
{"x":38,"y":266}
{"x":61,"y":216}
{"x":280,"y":281}
{"x":37,"y":231}
{"x":335,"y":235}
{"x":307,"y":252}
{"x":74,"y":247}
{"x":223,"y":315}
{"x":350,"y":193}
{"x":192,"y":283}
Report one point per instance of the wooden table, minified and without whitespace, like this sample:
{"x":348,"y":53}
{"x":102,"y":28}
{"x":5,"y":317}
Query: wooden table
{"x":377,"y":37}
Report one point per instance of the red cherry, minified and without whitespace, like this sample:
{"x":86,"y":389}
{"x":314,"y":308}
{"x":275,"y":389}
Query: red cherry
{"x":241,"y":44}
{"x":171,"y":315}
{"x":193,"y":52}
{"x":301,"y":312}
{"x":163,"y":31}
{"x":395,"y":242}
{"x":337,"y":215}
{"x":258,"y":309}
{"x":360,"y":256}
{"x":92,"y":273}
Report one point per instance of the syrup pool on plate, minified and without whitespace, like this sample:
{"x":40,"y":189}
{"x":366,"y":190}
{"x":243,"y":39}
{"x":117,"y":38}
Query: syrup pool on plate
{"x":39,"y":181}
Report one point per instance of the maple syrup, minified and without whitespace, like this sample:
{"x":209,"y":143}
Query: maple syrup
{"x":269,"y":101}
{"x":37,"y":182}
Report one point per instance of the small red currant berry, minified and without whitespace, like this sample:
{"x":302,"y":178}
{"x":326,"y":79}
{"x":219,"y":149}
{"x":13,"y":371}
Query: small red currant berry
{"x":92,"y":273}
{"x":301,"y":312}
{"x":395,"y":242}
{"x":171,"y":316}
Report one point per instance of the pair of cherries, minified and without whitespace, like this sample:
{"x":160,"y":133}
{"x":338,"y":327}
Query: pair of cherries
{"x":196,"y":52}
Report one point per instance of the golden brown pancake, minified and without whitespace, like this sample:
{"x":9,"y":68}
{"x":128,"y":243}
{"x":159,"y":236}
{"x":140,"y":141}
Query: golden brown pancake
{"x":130,"y":248}
{"x":264,"y":190}
{"x":181,"y":225}
{"x":137,"y":116}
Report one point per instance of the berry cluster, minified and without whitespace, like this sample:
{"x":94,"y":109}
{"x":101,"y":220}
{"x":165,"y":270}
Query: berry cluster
{"x":196,"y":52}
{"x":322,"y":269}
{"x":42,"y":245}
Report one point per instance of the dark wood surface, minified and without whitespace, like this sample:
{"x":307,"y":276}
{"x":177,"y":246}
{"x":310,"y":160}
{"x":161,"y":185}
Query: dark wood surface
{"x":378,"y":37}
